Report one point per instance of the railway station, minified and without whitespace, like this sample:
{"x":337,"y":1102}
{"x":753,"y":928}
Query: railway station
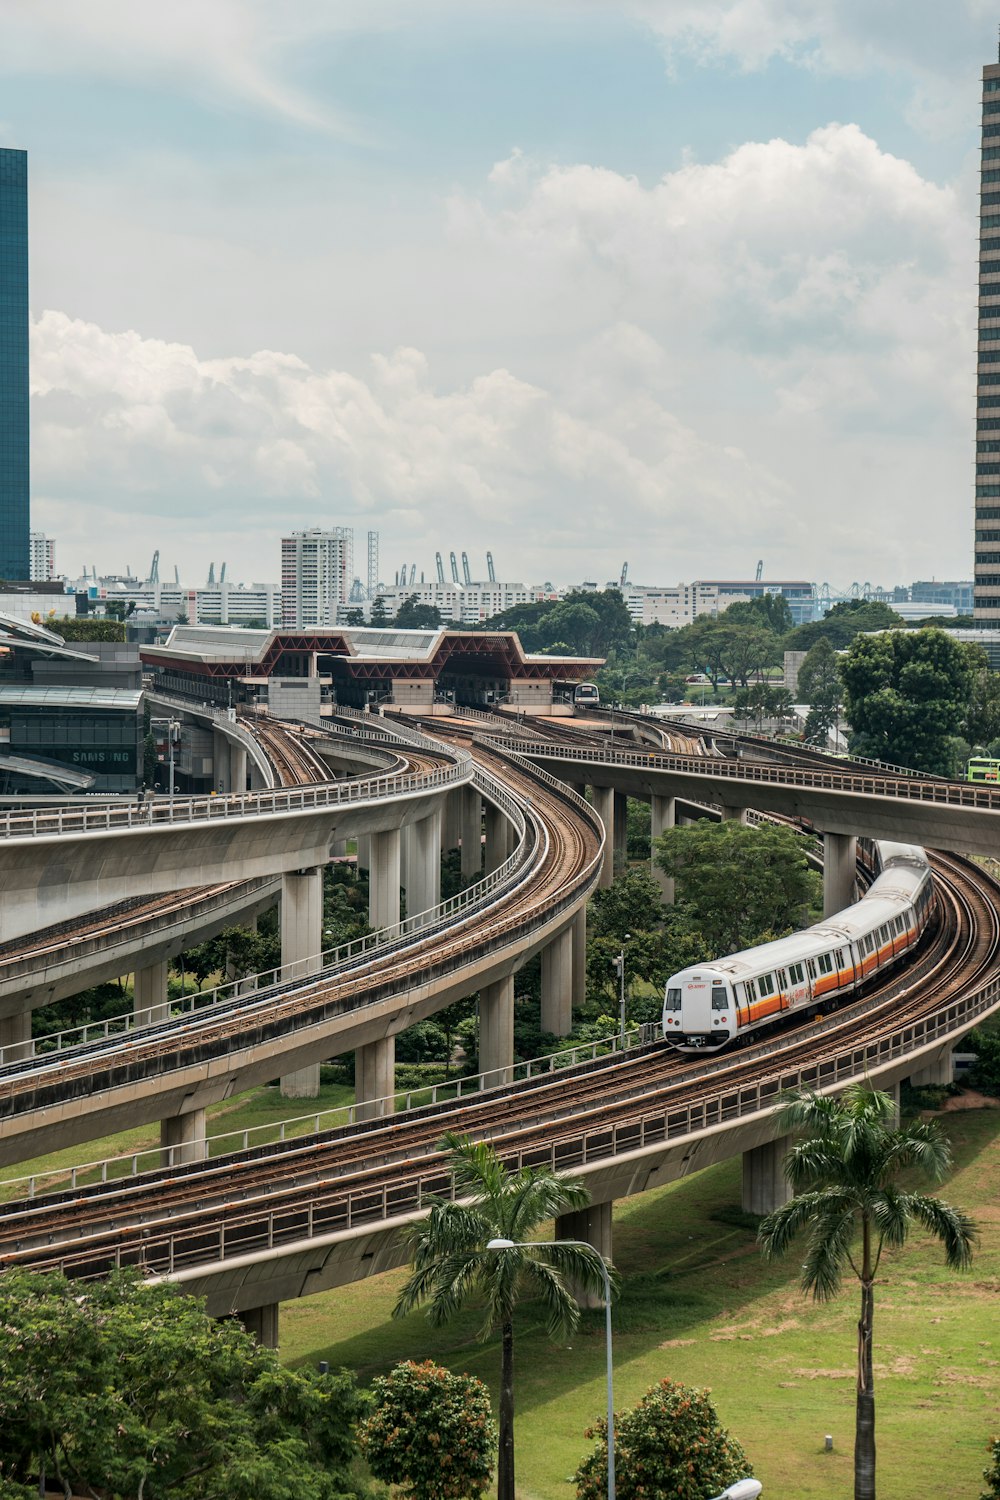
{"x":304,"y":672}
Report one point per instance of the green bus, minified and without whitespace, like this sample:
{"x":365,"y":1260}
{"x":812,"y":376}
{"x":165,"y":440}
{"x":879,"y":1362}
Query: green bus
{"x":982,"y":768}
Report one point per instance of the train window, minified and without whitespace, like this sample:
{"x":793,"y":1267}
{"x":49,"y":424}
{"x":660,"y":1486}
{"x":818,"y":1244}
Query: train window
{"x":844,"y":960}
{"x":811,"y":968}
{"x":766,"y":983}
{"x":795,"y":974}
{"x":673,"y":1000}
{"x":825,"y":963}
{"x":720,"y":997}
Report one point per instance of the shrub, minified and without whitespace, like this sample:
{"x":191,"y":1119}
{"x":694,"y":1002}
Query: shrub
{"x":992,"y":1474}
{"x":432,"y":1433}
{"x":669,"y":1447}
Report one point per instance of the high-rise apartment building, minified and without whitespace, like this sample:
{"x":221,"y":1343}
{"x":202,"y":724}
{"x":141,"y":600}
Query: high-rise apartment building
{"x":14,"y":470}
{"x":317,"y":570}
{"x":987,"y":550}
{"x":42,"y":559}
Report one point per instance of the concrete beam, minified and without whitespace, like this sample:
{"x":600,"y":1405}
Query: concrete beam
{"x":603,"y":798}
{"x":471,"y":819}
{"x":499,"y":837}
{"x":186,"y":1135}
{"x":579,"y":930}
{"x":301,"y":955}
{"x":262,"y":1322}
{"x":557,"y":984}
{"x":375,"y":1078}
{"x":150,"y":1002}
{"x":237,"y":766}
{"x":422,"y":864}
{"x":662,"y":815}
{"x":496,"y":1030}
{"x":938,"y":1073}
{"x":621,"y":832}
{"x":221,"y":762}
{"x":384,"y":879}
{"x":451,"y":822}
{"x":840,"y":869}
{"x":15,"y":1036}
{"x":765,"y":1186}
{"x":593,"y":1225}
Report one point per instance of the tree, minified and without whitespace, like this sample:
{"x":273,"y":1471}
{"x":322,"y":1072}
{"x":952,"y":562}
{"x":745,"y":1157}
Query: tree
{"x":121,"y":1387}
{"x":819,"y":686}
{"x":380,"y":611}
{"x":905,"y":695}
{"x":845,"y":1171}
{"x":992,"y":1474}
{"x":747,"y":650}
{"x":432,"y":1433}
{"x":412,"y":615}
{"x":744,"y":884}
{"x":451,"y":1264}
{"x":842,"y":623}
{"x":671,"y":1446}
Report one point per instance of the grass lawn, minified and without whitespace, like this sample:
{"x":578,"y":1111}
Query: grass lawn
{"x":699,"y":1305}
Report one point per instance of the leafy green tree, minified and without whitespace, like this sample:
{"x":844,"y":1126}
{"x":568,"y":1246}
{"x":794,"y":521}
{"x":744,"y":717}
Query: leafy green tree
{"x":743,"y":884}
{"x":982,"y":715}
{"x":905,"y":695}
{"x":380,"y":611}
{"x":412,"y":615}
{"x":845,"y":1169}
{"x":770,"y":610}
{"x":431,"y":1434}
{"x":842,"y":623}
{"x":820,"y":687}
{"x":671,"y":1446}
{"x":992,"y":1474}
{"x":122,"y":1388}
{"x":452,"y":1266}
{"x":747,"y":650}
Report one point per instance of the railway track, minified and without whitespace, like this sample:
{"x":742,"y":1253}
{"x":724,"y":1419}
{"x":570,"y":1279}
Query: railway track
{"x":231,"y":1205}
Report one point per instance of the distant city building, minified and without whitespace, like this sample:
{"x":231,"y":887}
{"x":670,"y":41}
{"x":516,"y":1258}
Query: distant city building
{"x":42,"y":558}
{"x":14,"y":430}
{"x":797,"y":593}
{"x":987,"y":541}
{"x":463,"y":603}
{"x":225,"y":603}
{"x":677,"y":606}
{"x":317,"y":570}
{"x":943,"y":595}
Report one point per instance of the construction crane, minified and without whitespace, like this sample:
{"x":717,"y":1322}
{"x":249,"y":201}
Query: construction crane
{"x":454,"y":568}
{"x":465,"y":568}
{"x":440,"y":566}
{"x":413,"y":574}
{"x":760,"y":569}
{"x":211,"y":574}
{"x":489,"y":567}
{"x":154,"y":567}
{"x":222,"y":575}
{"x":623,"y":580}
{"x":177,"y":575}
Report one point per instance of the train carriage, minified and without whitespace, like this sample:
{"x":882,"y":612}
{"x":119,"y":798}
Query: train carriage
{"x":709,"y":1005}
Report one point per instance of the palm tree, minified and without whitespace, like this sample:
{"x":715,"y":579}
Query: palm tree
{"x":452,"y":1264}
{"x":846,"y":1171}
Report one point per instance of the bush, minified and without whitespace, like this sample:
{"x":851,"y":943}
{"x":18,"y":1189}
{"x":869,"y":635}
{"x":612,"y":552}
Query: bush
{"x":992,"y":1474}
{"x":669,"y":1447}
{"x":432,"y":1433}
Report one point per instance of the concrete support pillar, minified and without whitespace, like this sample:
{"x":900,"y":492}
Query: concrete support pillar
{"x":557,"y":984}
{"x":364,"y":843}
{"x":149,"y":995}
{"x":733,"y":814}
{"x":936,"y":1074}
{"x":471,"y":817}
{"x":338,"y":849}
{"x":496,"y":1030}
{"x":375,"y":1078}
{"x":765,"y":1187}
{"x":262,"y":1322}
{"x":301,"y":945}
{"x":221,"y":768}
{"x":579,"y":930}
{"x":894,"y":1090}
{"x":621,"y":831}
{"x":604,"y":806}
{"x":499,"y":837}
{"x":451,"y":821}
{"x":840,"y":869}
{"x":384,"y":879}
{"x":183,"y":1138}
{"x":421,"y":847}
{"x":15,"y":1037}
{"x":237,"y":766}
{"x":592,"y":1225}
{"x":662,"y":815}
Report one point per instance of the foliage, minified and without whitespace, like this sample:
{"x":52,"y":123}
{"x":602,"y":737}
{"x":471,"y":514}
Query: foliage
{"x":982,"y":716}
{"x":380,"y":612}
{"x":606,"y":627}
{"x":842,"y":623}
{"x":770,"y":610}
{"x":99,"y":1003}
{"x":131,"y":1387}
{"x":744,"y":884}
{"x":992,"y":1474}
{"x":762,"y":701}
{"x":452,"y":1265}
{"x":985,"y":1073}
{"x":432,"y":1433}
{"x":234,"y":953}
{"x":412,"y":615}
{"x":86,"y":628}
{"x":671,"y":1446}
{"x":638,"y":825}
{"x":905,"y":695}
{"x":845,"y":1167}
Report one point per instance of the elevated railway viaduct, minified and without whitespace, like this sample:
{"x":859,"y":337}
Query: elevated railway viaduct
{"x":310,"y":1247}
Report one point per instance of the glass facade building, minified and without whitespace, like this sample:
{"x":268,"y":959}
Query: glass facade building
{"x":14,"y":430}
{"x":987,"y":549}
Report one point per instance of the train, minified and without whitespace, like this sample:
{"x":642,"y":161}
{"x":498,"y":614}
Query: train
{"x":710,"y":1006}
{"x":586,"y":695}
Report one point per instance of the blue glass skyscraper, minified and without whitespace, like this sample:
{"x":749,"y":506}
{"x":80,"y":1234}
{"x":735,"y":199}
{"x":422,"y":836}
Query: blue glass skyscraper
{"x":14,"y":430}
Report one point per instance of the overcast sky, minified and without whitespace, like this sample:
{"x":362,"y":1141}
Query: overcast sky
{"x":683,"y":282}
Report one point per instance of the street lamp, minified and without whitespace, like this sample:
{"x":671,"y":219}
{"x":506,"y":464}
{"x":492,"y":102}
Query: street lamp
{"x":743,"y":1489}
{"x":501,"y":1244}
{"x":173,"y":734}
{"x":620,"y":966}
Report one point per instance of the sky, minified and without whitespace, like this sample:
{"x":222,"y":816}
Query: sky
{"x":682,"y":283}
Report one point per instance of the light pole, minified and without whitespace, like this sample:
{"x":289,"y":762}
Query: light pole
{"x":501,"y":1244}
{"x":173,"y":734}
{"x":743,"y":1489}
{"x":620,"y":966}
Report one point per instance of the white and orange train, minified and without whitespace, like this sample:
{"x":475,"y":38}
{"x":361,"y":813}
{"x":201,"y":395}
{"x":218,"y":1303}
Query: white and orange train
{"x":731,"y":999}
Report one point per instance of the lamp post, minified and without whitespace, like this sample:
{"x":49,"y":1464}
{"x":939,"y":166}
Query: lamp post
{"x":501,"y":1244}
{"x":173,"y":732}
{"x":620,"y":966}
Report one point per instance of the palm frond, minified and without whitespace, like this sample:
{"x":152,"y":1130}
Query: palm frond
{"x":956,"y":1230}
{"x":562,"y":1313}
{"x":828,"y":1251}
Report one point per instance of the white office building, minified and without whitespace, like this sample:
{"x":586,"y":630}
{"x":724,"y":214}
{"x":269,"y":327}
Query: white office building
{"x":317,"y":570}
{"x":41,"y":557}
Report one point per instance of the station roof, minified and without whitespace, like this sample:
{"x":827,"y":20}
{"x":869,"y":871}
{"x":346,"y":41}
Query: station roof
{"x":19,"y":696}
{"x":360,"y":652}
{"x":25,"y":635}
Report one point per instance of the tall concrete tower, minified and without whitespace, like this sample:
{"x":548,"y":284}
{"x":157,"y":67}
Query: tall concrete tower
{"x":987,"y":568}
{"x":14,"y":431}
